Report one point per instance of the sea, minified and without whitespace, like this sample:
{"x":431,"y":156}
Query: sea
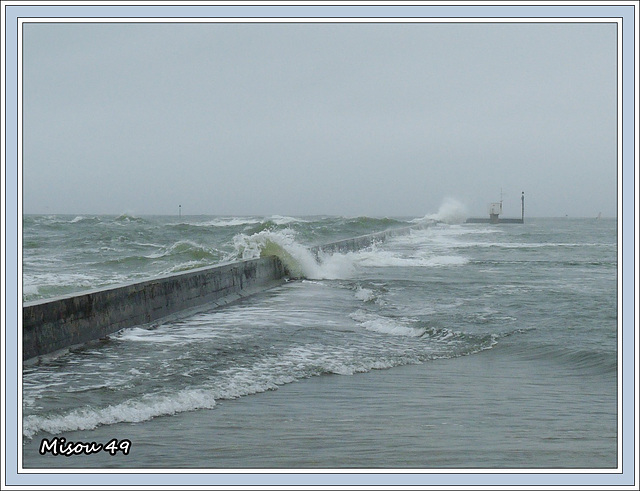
{"x":454,"y":346}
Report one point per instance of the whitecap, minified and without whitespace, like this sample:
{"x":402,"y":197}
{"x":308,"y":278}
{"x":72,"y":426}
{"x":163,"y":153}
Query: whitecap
{"x":385,"y":325}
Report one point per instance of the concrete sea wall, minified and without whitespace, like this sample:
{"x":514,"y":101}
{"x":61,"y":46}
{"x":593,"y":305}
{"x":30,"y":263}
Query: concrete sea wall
{"x":62,"y":322}
{"x":355,"y":243}
{"x":58,"y":323}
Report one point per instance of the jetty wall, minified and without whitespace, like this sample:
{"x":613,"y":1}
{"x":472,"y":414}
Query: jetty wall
{"x":495,"y":221}
{"x":355,"y":243}
{"x":58,"y":323}
{"x":62,"y":322}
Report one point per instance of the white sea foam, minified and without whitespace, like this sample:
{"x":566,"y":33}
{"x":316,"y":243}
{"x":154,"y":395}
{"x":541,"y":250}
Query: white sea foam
{"x":451,"y":211}
{"x":297,"y":258}
{"x":239,"y":221}
{"x":29,"y":290}
{"x":283,"y":220}
{"x":380,"y":259}
{"x":229,"y":222}
{"x":335,"y":266}
{"x":522,"y":245}
{"x":365,"y":294}
{"x":385,"y":325}
{"x":300,"y":262}
{"x":446,"y":261}
{"x":133,"y":411}
{"x":264,"y":374}
{"x":127,"y":217}
{"x":200,"y":328}
{"x":57,"y":280}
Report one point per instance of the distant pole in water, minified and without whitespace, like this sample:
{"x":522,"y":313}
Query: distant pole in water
{"x":180,"y":211}
{"x":522,"y":199}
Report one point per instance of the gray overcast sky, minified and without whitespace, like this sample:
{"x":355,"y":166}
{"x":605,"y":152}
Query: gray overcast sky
{"x":295,"y":119}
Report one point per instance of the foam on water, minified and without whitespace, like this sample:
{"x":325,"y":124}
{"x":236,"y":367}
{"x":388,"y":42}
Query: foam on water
{"x":30,"y":291}
{"x":127,"y":217}
{"x":266,"y":373}
{"x":111,"y":250}
{"x":386,"y":325}
{"x":169,"y":334}
{"x":52,"y":284}
{"x":445,"y":294}
{"x":282,"y":220}
{"x":377,"y":258}
{"x":228,"y":222}
{"x":190,"y":364}
{"x":81,"y":218}
{"x":297,"y":258}
{"x":132,"y":411}
{"x":252,"y":370}
{"x":365,"y":294}
{"x":451,"y":211}
{"x":301,"y":263}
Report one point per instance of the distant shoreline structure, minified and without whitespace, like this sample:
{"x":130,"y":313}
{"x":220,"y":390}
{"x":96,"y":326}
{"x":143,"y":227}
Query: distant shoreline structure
{"x":495,"y":209}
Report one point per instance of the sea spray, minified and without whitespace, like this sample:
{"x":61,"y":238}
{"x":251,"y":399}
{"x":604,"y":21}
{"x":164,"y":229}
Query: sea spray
{"x":298,"y":260}
{"x":451,"y":211}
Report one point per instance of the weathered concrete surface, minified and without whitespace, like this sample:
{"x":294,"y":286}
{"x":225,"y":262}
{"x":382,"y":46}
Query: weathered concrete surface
{"x":53,"y":324}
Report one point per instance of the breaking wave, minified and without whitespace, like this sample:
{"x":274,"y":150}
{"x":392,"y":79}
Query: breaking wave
{"x":301,"y":262}
{"x":260,"y":374}
{"x":297,"y":258}
{"x":451,"y":211}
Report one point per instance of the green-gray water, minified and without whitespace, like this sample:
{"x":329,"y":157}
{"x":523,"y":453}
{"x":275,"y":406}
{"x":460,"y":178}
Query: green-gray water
{"x":460,"y":345}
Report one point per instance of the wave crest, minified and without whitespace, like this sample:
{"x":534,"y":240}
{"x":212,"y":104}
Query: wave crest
{"x":298,"y":260}
{"x":451,"y":211}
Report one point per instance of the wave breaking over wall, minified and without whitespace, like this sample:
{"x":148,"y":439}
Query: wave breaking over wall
{"x":59,"y":323}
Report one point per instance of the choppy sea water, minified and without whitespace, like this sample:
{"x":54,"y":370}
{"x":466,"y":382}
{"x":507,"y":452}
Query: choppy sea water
{"x":458,"y":345}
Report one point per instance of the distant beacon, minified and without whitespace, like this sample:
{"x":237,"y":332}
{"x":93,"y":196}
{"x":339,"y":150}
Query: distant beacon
{"x":495,"y":210}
